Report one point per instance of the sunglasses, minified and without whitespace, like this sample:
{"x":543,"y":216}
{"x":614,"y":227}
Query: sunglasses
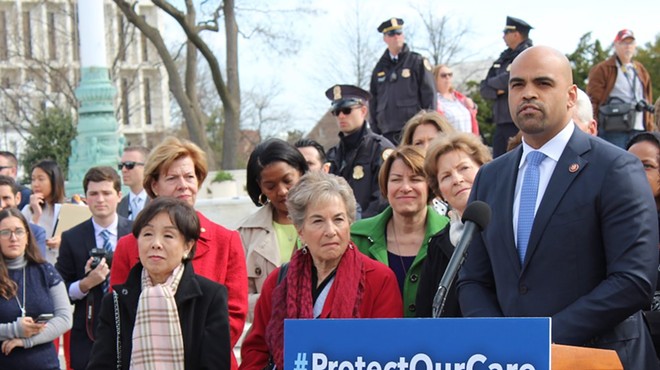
{"x":393,"y":33}
{"x":346,"y":110}
{"x":445,"y":75}
{"x":509,"y":31}
{"x":129,"y":165}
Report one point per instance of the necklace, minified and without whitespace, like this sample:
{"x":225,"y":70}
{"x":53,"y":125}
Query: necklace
{"x":22,"y":306}
{"x":398,"y":250}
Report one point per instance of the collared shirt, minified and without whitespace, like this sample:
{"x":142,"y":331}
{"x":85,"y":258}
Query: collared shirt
{"x":74,"y":289}
{"x":629,"y":88}
{"x":131,"y":203}
{"x":553,"y":150}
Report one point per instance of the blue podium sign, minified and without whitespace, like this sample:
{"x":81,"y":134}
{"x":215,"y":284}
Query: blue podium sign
{"x":418,"y":344}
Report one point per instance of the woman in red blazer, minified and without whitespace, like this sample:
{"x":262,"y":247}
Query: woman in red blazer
{"x":177,"y":168}
{"x":328,"y":278}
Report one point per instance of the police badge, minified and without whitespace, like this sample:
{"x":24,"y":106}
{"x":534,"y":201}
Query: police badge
{"x":358,"y":172}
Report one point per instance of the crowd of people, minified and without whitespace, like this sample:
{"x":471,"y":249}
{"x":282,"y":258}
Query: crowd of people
{"x":364,"y":230}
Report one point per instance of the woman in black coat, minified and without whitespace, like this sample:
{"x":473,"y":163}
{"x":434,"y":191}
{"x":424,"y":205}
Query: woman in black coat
{"x":195,"y":324}
{"x":451,"y":165}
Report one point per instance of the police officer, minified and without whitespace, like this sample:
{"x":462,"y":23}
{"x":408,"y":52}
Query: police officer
{"x":401,"y":83}
{"x":496,"y":85}
{"x":360,"y":152}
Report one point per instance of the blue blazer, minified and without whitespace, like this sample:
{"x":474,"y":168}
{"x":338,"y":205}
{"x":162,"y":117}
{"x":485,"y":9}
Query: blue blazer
{"x":74,"y":253}
{"x":592,"y":258}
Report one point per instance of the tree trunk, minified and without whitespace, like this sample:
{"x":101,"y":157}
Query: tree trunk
{"x":232,"y":104}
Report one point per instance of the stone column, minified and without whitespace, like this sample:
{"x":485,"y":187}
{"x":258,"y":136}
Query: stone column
{"x":98,"y":141}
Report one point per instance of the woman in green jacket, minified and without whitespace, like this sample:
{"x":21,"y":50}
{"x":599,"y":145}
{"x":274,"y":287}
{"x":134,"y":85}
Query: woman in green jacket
{"x":399,"y":236}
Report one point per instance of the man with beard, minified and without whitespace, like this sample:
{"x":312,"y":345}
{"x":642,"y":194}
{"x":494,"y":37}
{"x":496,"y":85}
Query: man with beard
{"x":495,"y":86}
{"x":574,"y":232}
{"x":401,"y":84}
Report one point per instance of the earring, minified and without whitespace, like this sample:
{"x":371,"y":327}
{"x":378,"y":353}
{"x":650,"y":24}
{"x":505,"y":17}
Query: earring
{"x":263,"y":202}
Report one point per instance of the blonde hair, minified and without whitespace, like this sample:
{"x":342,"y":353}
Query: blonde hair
{"x":170,"y":150}
{"x":421,"y":118}
{"x":465,"y":142}
{"x":411,"y":156}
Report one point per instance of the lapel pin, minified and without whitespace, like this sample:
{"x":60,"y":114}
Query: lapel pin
{"x":573,"y":168}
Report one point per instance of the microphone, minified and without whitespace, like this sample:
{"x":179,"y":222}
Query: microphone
{"x":475,"y":218}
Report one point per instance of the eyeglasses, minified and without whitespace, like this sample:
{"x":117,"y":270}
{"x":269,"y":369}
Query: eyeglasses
{"x":393,"y":33}
{"x":5,"y":234}
{"x":445,"y":75}
{"x":129,"y":165}
{"x":346,"y":110}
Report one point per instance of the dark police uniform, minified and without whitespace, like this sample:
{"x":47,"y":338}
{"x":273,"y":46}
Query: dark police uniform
{"x":498,"y":79}
{"x":359,"y":155}
{"x":399,"y":90}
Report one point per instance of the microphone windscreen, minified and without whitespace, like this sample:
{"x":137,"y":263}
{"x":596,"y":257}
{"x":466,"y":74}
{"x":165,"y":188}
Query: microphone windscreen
{"x":477,"y":212}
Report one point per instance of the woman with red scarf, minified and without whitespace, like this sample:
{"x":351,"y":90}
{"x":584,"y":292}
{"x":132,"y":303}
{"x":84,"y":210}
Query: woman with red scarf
{"x":328,"y":278}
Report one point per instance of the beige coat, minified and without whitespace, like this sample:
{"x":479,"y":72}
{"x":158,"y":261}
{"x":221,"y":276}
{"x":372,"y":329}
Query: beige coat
{"x":261,"y":251}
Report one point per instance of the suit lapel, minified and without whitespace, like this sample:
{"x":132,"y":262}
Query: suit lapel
{"x":89,"y":237}
{"x":507,"y":191}
{"x":568,"y":167}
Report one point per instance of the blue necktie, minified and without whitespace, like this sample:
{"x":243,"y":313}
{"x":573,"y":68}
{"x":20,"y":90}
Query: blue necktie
{"x":107,"y":245}
{"x":528,"y":193}
{"x":135,"y":205}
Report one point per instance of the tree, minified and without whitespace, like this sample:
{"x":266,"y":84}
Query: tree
{"x":445,"y":42}
{"x":260,"y":113}
{"x":227,"y":85}
{"x":585,"y":56}
{"x":50,"y":138}
{"x":649,"y":56}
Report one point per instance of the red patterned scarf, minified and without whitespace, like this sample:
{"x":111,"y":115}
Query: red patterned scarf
{"x":292,"y":298}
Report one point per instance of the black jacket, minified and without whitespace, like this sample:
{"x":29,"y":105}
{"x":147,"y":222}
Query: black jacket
{"x":400,"y":90}
{"x":357,"y":158}
{"x":498,"y":79}
{"x":202,"y":306}
{"x":438,"y":255}
{"x":76,"y":244}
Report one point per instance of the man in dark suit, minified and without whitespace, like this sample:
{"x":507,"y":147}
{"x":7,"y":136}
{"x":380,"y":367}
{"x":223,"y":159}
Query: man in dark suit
{"x":9,"y":167}
{"x":85,"y":283}
{"x":10,"y":197}
{"x":132,"y":173}
{"x":586,"y":255}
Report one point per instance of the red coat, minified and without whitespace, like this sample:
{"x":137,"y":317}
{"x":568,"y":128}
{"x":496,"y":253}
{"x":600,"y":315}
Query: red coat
{"x":381,"y":299}
{"x":219,"y":257}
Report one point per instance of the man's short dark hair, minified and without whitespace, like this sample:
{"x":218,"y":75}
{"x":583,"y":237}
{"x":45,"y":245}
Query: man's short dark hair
{"x":8,"y":181}
{"x":304,"y":143}
{"x":10,"y":156}
{"x":102,"y":173}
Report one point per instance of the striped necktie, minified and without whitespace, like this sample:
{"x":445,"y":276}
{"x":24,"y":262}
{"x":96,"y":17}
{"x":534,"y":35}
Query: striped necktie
{"x":107,"y":245}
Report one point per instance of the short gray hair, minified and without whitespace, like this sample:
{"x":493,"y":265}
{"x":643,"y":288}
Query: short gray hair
{"x":583,"y":109}
{"x":316,"y":186}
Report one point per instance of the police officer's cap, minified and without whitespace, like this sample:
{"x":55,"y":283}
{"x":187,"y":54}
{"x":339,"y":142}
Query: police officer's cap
{"x":516,"y":24}
{"x":391,"y":24}
{"x":347,"y":96}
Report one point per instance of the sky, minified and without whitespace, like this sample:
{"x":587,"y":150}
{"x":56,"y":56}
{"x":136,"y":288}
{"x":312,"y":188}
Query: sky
{"x":302,"y":78}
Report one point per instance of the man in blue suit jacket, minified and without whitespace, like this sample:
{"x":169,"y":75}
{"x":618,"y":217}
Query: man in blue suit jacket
{"x":102,"y":188}
{"x":592,"y":257}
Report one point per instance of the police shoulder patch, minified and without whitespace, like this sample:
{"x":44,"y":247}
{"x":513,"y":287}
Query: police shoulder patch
{"x":386,"y":153}
{"x":427,"y":64}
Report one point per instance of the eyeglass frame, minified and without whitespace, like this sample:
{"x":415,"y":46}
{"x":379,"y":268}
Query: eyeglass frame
{"x":129,"y":165}
{"x":5,"y":234}
{"x":448,"y":74}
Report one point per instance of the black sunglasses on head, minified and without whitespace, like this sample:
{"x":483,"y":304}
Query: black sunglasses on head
{"x":129,"y":165}
{"x":394,"y":33}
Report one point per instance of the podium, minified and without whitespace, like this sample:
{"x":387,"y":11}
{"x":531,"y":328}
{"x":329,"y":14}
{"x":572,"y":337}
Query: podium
{"x":571,"y":358}
{"x":432,"y":344}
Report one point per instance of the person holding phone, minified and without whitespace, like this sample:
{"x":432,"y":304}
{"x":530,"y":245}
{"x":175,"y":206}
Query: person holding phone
{"x":45,"y":202}
{"x":23,"y":316}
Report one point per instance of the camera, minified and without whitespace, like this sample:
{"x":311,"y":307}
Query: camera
{"x":642,"y":105}
{"x":99,"y":253}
